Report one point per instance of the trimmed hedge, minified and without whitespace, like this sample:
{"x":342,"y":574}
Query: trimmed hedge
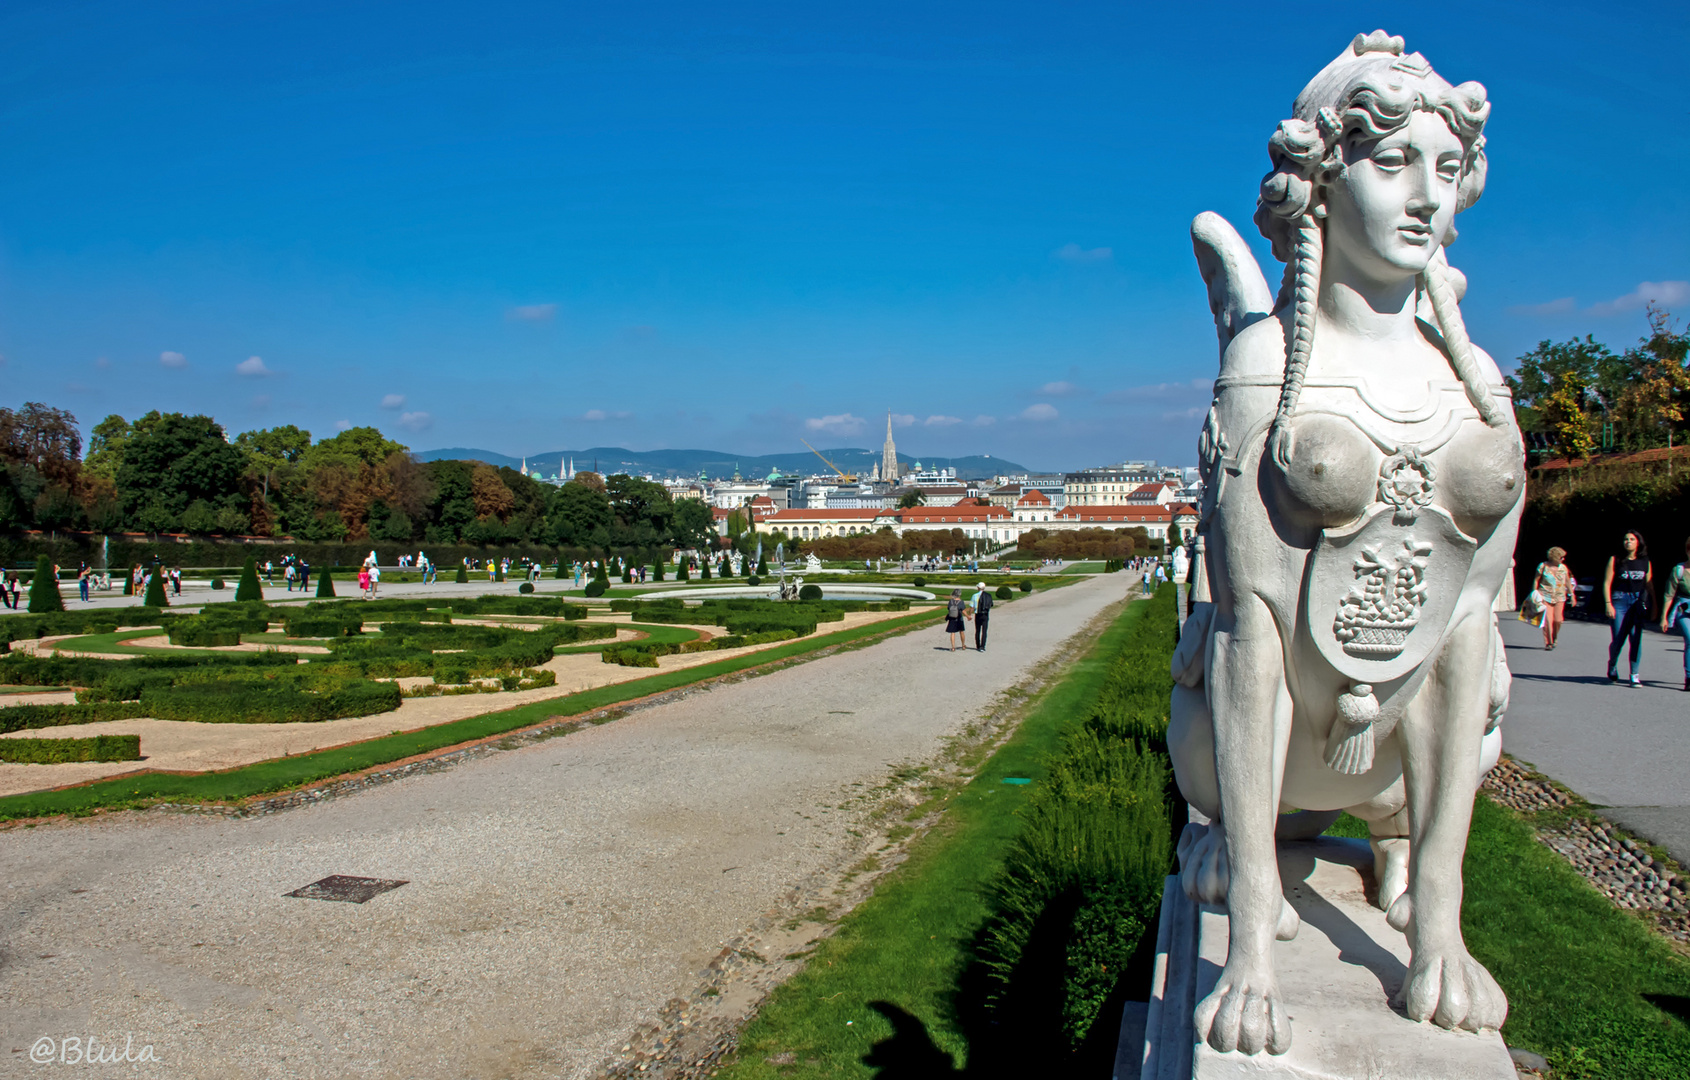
{"x":29,"y":717}
{"x":200,"y":634}
{"x":230,"y":702}
{"x":57,"y":751}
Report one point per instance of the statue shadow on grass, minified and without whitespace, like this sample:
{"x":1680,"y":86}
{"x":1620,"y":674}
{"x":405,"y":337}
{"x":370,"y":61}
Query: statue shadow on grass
{"x":1018,"y":1031}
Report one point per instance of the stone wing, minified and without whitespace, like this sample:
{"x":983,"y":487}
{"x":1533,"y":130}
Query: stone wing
{"x":1238,"y":294}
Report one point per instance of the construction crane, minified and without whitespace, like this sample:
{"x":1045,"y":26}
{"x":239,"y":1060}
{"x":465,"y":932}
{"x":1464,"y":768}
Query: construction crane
{"x":843,"y":475}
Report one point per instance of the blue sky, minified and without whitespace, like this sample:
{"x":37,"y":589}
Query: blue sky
{"x":531,"y":227}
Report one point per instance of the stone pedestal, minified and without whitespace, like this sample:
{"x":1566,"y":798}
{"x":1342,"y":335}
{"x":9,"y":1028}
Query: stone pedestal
{"x":1339,"y":977}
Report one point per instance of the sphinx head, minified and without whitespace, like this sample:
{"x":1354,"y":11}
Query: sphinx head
{"x":1382,"y":150}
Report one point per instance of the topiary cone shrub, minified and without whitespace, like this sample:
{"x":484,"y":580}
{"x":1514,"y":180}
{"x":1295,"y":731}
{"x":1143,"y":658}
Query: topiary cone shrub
{"x":325,"y":584}
{"x":44,"y":590}
{"x":657,"y":567}
{"x":155,"y":590}
{"x":704,"y":570}
{"x":498,"y":571}
{"x":249,"y":589}
{"x":681,"y":574}
{"x":627,"y":573}
{"x":763,"y":567}
{"x":463,"y":575}
{"x":562,"y":571}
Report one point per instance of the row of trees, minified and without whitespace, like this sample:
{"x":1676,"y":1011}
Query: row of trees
{"x":1575,"y":397}
{"x":170,"y":472}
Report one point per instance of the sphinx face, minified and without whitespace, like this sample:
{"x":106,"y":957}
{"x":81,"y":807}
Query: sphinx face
{"x":1392,"y":207}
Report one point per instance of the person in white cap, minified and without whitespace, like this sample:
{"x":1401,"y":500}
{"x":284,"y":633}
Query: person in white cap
{"x":982,"y":610}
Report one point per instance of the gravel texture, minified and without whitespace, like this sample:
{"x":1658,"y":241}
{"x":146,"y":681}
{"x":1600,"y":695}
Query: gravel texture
{"x":1625,"y":871}
{"x":566,"y":898}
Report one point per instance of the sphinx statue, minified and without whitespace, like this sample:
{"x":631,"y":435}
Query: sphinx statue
{"x":1363,"y":479}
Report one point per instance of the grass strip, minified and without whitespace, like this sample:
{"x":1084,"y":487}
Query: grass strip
{"x":1590,"y":987}
{"x":281,"y":774}
{"x":656,"y":634}
{"x":880,"y":993}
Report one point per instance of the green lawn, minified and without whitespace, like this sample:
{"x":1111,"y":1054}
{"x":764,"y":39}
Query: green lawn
{"x":281,"y":774}
{"x":1093,"y":567}
{"x":1589,"y":986}
{"x":879,"y":996}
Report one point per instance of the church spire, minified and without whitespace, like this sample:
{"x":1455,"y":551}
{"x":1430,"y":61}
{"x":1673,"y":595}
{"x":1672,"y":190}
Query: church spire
{"x":889,"y":453}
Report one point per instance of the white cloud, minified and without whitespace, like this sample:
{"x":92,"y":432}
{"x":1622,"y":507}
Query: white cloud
{"x":393,"y":401}
{"x":532,"y":313}
{"x":1074,"y":253}
{"x":842,"y":424}
{"x":343,"y":425}
{"x":1186,"y":414}
{"x":601,"y":414}
{"x":1059,"y":389}
{"x":984,"y":421}
{"x":416,"y":421}
{"x":902,"y":419}
{"x":1668,"y":293}
{"x":1564,"y":306}
{"x":1042,"y":411}
{"x":942,"y":421}
{"x":252,"y":365}
{"x":173,"y":360}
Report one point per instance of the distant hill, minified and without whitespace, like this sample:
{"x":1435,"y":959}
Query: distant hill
{"x":716,"y":463}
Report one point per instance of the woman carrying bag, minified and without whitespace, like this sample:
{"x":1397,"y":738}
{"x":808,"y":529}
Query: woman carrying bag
{"x":1675,"y":609}
{"x":1553,"y":585}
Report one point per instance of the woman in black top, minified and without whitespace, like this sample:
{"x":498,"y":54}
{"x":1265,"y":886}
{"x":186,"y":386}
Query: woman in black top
{"x":954,"y":613}
{"x":1628,"y":586}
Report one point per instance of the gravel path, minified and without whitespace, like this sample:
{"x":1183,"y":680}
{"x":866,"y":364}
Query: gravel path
{"x":559,"y":895}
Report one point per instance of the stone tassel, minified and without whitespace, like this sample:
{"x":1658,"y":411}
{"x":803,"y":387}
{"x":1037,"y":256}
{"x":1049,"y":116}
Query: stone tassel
{"x":1349,"y":749}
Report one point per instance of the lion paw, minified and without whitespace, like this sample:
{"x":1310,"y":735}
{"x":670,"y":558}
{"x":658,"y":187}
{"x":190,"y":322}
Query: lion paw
{"x":1453,"y":990}
{"x":1203,"y":871}
{"x":1244,"y":1013}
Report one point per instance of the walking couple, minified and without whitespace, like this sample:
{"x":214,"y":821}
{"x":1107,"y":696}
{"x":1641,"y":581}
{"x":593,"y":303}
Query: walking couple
{"x":978,"y":608}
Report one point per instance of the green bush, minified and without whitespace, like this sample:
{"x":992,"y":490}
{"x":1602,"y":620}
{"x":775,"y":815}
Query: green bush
{"x":28,"y":717}
{"x":498,"y":570}
{"x":463,"y":575}
{"x":44,"y":590}
{"x":596,"y":587}
{"x":754,"y":581}
{"x":216,"y":584}
{"x":682,"y":574}
{"x":306,"y":623}
{"x":1079,"y":890}
{"x":1003,"y":592}
{"x":55,"y":751}
{"x":763,"y":567}
{"x":234,"y":702}
{"x":249,"y":589}
{"x":919,"y":582}
{"x":202,"y":633}
{"x":810,"y":592}
{"x":635,"y":656}
{"x":657,"y":567}
{"x":704,"y":569}
{"x":525,"y":588}
{"x":562,"y":572}
{"x":155,"y":590}
{"x":1026,"y":586}
{"x":325,"y":584}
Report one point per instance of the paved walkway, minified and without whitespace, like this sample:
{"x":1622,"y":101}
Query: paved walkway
{"x":558,"y":897}
{"x":1623,"y":748}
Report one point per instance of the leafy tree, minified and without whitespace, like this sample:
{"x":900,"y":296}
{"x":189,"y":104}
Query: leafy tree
{"x":174,"y":462}
{"x":105,"y":447}
{"x":452,"y":505}
{"x":44,"y":438}
{"x":911,"y":498}
{"x":249,"y":589}
{"x":492,"y":498}
{"x":354,"y":446}
{"x":579,"y":515}
{"x":693,"y":523}
{"x":1564,"y":419}
{"x":643,"y":511}
{"x":44,"y":589}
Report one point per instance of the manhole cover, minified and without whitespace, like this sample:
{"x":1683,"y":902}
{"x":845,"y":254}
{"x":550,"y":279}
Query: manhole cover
{"x":354,"y":890}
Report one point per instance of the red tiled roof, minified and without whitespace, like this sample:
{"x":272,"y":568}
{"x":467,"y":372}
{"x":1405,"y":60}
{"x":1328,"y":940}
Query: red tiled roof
{"x":948,"y":515}
{"x":1033,"y":497}
{"x":806,"y":514}
{"x":1131,"y":515}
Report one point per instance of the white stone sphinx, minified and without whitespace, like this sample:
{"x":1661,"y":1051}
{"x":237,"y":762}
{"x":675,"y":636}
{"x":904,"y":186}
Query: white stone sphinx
{"x":1363,"y":478}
